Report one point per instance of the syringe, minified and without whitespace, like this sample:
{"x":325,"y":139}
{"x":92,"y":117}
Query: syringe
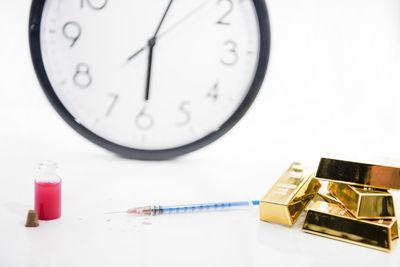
{"x":158,"y":210}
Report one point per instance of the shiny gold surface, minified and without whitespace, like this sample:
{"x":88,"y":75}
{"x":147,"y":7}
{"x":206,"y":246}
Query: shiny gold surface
{"x":333,"y":221}
{"x":288,"y":197}
{"x":364,"y":203}
{"x":395,"y":229}
{"x":323,"y":195}
{"x":359,"y":173}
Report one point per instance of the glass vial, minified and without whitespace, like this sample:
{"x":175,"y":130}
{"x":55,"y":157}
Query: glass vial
{"x":48,"y":192}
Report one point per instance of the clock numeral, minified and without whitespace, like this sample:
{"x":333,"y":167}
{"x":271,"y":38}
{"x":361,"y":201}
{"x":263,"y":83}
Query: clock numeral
{"x":82,"y":77}
{"x":72,"y":31}
{"x":222,"y":21}
{"x":213,"y":92}
{"x":113,"y":102}
{"x":183,"y":108}
{"x":144,"y":120}
{"x":94,"y":4}
{"x":233,"y":54}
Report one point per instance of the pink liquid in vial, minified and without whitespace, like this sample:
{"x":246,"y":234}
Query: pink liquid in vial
{"x":48,"y":200}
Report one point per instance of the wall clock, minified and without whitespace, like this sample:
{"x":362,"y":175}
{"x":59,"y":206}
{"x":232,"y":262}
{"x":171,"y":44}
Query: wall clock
{"x":150,"y":79}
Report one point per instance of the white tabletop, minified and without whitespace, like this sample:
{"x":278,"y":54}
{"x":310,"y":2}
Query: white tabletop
{"x":94,"y":183}
{"x":331,"y":90}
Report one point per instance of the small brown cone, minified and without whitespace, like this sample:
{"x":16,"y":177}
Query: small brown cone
{"x":32,"y":219}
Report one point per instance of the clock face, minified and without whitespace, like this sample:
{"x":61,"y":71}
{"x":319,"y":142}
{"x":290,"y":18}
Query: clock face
{"x":150,"y":75}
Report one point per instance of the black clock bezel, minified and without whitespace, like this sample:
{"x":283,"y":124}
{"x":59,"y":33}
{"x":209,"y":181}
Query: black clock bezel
{"x":140,"y":154}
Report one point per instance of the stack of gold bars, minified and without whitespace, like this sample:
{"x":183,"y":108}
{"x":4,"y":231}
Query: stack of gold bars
{"x":344,"y":200}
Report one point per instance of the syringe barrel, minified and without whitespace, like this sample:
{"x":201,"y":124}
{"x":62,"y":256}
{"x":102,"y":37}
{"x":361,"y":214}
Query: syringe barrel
{"x":202,"y":207}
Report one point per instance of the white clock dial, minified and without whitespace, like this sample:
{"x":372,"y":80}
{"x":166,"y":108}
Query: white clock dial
{"x":154,"y":74}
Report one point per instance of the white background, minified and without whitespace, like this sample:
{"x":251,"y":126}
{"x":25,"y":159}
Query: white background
{"x":331,"y":90}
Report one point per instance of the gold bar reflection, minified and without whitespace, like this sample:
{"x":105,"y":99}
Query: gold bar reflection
{"x":333,"y":221}
{"x":289,"y":196}
{"x":364,"y":203}
{"x":359,"y":173}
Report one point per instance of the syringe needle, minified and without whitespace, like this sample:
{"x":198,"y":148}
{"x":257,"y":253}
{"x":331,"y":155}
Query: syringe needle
{"x":148,"y":210}
{"x":111,"y":212}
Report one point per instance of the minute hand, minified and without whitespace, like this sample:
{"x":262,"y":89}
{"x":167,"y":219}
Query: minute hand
{"x":150,"y":61}
{"x":151,"y":44}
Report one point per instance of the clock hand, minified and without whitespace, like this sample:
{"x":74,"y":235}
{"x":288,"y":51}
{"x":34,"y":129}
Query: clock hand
{"x":151,"y":44}
{"x":179,"y":22}
{"x":194,"y":11}
{"x":136,"y":53}
{"x":163,"y":18}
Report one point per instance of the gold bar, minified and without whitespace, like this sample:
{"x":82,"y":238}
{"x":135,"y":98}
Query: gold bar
{"x":323,"y":195}
{"x":333,"y":221}
{"x":359,"y":173}
{"x":364,"y":203}
{"x":289,"y":196}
